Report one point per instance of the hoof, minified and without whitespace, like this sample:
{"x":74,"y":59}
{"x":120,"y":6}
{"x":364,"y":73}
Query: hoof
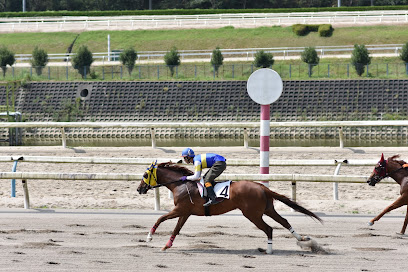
{"x":370,"y":223}
{"x":149,"y":238}
{"x":305,"y":238}
{"x":164,"y":248}
{"x":401,"y":234}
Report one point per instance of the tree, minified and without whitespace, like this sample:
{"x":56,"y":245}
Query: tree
{"x":6,"y":58}
{"x":39,"y":60}
{"x":404,"y":56}
{"x":82,"y":60}
{"x":128,"y":59}
{"x":309,"y":56}
{"x":360,"y":58}
{"x":216,"y":59}
{"x":263,"y":59}
{"x":172,"y":59}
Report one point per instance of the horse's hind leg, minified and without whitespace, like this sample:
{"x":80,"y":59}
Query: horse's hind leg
{"x":404,"y":227}
{"x":258,"y":221}
{"x":271,"y":212}
{"x":180,"y":224}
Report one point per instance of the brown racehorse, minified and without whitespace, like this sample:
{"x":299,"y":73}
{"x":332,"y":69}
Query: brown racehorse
{"x":396,"y":169}
{"x":253,"y":199}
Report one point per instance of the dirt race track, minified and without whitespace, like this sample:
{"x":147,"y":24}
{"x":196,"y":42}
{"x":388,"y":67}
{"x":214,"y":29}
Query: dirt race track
{"x":115,"y":240}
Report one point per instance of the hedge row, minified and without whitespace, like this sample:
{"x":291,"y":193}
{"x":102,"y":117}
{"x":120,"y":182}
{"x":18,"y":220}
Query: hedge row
{"x":324,"y":30}
{"x":190,"y":11}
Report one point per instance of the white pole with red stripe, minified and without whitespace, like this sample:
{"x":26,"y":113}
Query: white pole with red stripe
{"x":264,"y":87}
{"x":264,"y":141}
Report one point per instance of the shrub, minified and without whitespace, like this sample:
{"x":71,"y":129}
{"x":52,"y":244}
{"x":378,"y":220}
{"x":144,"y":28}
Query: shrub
{"x":6,"y":58}
{"x":128,"y":59}
{"x":300,"y":30}
{"x":360,"y":58}
{"x":216,"y":59}
{"x":263,"y":59}
{"x":172,"y":59}
{"x":309,"y":56}
{"x":82,"y":60}
{"x":325,"y":30}
{"x":404,"y":56}
{"x":39,"y":60}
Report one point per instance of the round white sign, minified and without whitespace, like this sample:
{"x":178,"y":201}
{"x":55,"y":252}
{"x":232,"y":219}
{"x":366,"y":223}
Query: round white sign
{"x":264,"y":86}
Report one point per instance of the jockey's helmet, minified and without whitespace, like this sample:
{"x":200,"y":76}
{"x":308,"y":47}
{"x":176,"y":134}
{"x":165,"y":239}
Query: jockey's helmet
{"x":187,"y":152}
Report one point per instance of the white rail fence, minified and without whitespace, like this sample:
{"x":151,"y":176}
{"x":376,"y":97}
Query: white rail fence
{"x":244,"y":125}
{"x":200,"y":21}
{"x":293,"y":178}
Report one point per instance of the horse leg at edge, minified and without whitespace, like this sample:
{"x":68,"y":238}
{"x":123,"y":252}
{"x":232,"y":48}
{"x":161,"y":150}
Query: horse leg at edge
{"x":258,"y":221}
{"x":271,"y":212}
{"x":180,"y":224}
{"x":172,"y":214}
{"x":404,"y":227}
{"x":402,"y":200}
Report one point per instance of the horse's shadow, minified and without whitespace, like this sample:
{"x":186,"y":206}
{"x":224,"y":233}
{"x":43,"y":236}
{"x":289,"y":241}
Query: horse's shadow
{"x":250,"y":252}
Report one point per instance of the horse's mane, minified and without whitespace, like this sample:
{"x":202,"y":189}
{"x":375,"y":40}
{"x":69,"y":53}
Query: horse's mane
{"x":176,"y":167}
{"x":393,"y":158}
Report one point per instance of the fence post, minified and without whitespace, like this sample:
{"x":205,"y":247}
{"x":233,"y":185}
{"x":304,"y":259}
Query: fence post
{"x":195,"y":71}
{"x":49,"y":72}
{"x":64,"y":138}
{"x":26,"y":195}
{"x":158,"y":72}
{"x":84,"y":72}
{"x":336,"y":184}
{"x":140,"y":75}
{"x":13,"y":181}
{"x":328,"y":70}
{"x":103,"y":73}
{"x":290,"y":70}
{"x":31,"y":71}
{"x":341,"y":137}
{"x":245,"y":138}
{"x":233,"y":71}
{"x":348,"y":70}
{"x":153,"y":137}
{"x":293,"y":193}
{"x":367,"y":71}
{"x":157,"y":199}
{"x":121,"y":72}
{"x":67,"y":71}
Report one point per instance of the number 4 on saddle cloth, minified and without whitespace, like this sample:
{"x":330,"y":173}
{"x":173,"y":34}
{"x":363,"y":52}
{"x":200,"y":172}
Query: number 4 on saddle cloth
{"x":221,"y":189}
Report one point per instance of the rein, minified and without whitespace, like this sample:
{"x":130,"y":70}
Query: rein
{"x":164,"y":184}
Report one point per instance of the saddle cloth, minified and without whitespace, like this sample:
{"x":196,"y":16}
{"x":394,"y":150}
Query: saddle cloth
{"x":221,"y":189}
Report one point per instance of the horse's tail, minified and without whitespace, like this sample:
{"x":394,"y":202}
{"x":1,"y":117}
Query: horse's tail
{"x":290,"y":203}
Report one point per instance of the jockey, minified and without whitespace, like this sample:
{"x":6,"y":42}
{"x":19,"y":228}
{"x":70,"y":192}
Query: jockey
{"x":215,"y":162}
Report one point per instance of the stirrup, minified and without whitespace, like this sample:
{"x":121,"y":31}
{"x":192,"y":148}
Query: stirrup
{"x":209,"y":202}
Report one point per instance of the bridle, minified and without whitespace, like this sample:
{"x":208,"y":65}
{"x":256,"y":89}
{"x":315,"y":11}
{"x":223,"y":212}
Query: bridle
{"x":381,"y":172}
{"x":151,"y":179}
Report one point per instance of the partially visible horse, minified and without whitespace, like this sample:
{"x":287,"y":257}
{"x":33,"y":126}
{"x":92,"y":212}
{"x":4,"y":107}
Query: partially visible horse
{"x":253,"y":199}
{"x":398,"y":170}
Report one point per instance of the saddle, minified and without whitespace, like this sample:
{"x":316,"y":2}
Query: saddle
{"x":221,"y":189}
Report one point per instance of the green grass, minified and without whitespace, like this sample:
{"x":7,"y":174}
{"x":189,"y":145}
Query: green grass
{"x":226,"y":37}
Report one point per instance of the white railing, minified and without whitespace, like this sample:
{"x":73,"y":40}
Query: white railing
{"x":244,"y":125}
{"x":199,"y":21}
{"x":24,"y":176}
{"x":248,"y":54}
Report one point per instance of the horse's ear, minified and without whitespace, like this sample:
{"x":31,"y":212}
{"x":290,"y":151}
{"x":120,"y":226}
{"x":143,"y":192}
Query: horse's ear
{"x":382,"y":157}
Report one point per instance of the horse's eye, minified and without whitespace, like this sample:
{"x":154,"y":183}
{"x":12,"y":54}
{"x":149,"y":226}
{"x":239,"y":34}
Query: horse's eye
{"x":145,"y":175}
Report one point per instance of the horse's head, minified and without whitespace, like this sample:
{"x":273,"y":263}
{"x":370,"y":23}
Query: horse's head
{"x":386,"y":168}
{"x":162,"y":174}
{"x":379,"y":172}
{"x":149,"y":179}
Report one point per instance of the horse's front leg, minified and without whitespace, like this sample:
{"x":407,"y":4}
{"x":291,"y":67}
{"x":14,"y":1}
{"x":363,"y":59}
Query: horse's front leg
{"x":402,"y":200}
{"x":176,"y":231}
{"x":170,"y":215}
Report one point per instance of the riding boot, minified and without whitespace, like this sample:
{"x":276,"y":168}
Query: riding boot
{"x":211,"y":196}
